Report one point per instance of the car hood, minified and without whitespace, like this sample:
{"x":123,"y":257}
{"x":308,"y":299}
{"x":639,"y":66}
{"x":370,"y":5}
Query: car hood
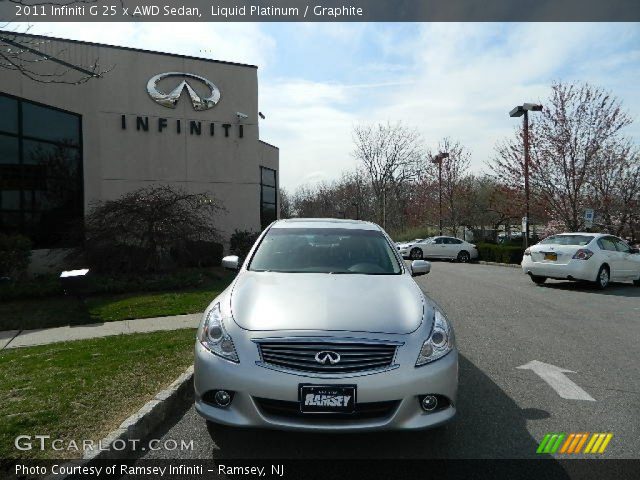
{"x":319,"y":301}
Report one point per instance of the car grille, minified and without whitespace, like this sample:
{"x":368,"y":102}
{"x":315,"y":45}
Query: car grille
{"x":363,"y":411}
{"x":301,"y":355}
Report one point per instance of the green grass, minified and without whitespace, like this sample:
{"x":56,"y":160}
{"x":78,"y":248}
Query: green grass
{"x":58,"y":311}
{"x":84,"y":389}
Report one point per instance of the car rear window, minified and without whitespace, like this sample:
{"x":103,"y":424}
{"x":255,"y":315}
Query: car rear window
{"x":580,"y":240}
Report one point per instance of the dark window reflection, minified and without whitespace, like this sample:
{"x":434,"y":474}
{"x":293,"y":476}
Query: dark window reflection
{"x":268,"y":177}
{"x":268,"y":214}
{"x":41,"y":183}
{"x":9,"y":151}
{"x":268,"y":196}
{"x":48,"y":124}
{"x":8,"y":115}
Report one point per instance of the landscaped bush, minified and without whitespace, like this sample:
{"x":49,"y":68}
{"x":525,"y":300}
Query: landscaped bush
{"x":141,"y":231}
{"x":199,"y":253}
{"x":490,"y":252}
{"x":15,"y":252}
{"x":241,"y":242}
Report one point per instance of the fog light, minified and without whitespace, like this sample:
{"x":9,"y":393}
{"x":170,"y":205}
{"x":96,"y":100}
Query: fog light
{"x":222,"y":398}
{"x":429,"y":403}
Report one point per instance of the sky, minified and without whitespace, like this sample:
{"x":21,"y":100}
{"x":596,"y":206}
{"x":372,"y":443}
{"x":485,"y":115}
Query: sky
{"x":319,"y":80}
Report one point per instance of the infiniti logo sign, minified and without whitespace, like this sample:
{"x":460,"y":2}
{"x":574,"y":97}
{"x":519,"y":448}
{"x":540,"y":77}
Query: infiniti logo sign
{"x":170,"y":99}
{"x":327,"y":357}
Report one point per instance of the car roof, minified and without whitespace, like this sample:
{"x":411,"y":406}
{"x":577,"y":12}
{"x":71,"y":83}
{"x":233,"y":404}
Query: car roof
{"x":325,"y":223}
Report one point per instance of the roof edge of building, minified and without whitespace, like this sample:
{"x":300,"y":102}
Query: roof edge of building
{"x":131,"y":49}
{"x":269,"y":144}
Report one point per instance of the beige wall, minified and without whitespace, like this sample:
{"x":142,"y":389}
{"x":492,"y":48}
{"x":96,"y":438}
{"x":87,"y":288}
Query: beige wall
{"x":117,"y":160}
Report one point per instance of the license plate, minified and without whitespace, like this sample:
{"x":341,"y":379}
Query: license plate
{"x":327,"y":398}
{"x":551,"y":256}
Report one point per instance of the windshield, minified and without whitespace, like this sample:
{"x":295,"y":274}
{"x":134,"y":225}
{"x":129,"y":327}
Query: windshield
{"x":325,"y":250}
{"x":568,"y":240}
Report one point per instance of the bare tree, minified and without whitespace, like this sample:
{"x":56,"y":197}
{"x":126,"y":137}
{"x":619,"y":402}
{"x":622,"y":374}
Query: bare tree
{"x":286,"y":206}
{"x":615,"y":187}
{"x":568,"y":141}
{"x":37,"y":59}
{"x":389,"y":155}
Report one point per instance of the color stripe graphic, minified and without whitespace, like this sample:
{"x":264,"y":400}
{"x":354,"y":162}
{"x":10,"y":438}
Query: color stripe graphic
{"x":573,"y":443}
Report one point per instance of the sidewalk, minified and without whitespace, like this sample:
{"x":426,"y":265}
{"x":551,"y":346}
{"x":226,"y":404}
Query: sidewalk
{"x":28,"y":338}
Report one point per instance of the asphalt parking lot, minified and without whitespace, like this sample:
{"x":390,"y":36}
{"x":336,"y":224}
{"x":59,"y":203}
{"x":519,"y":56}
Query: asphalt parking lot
{"x":503,"y":321}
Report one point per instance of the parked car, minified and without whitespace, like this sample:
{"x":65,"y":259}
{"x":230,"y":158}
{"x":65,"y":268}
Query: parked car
{"x":441,"y":247}
{"x":324,"y":328}
{"x":402,"y":245}
{"x":594,"y":257}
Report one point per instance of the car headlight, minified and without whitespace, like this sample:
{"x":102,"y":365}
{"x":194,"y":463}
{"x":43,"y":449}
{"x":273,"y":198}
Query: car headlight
{"x":215,"y":338}
{"x":439,"y":343}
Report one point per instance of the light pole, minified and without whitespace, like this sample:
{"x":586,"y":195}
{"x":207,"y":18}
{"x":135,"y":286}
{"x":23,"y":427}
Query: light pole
{"x":438,"y":159}
{"x":523,"y":111}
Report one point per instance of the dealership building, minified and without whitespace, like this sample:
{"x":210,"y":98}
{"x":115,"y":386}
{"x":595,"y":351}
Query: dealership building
{"x":151,"y":118}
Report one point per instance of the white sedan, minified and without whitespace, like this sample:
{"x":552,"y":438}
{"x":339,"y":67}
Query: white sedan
{"x":441,"y":247}
{"x":410,"y":243}
{"x":594,"y":257}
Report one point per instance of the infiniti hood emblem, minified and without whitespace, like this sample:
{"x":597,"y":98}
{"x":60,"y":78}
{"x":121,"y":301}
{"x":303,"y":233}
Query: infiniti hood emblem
{"x":327,"y":357}
{"x":170,"y":99}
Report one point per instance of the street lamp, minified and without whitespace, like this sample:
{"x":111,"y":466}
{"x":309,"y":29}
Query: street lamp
{"x":438,"y":159}
{"x":519,"y":111}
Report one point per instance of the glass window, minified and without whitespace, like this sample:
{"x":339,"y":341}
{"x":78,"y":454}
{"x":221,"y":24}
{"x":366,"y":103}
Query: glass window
{"x":439,"y":241}
{"x":41,"y":183}
{"x":10,"y":199}
{"x":621,"y":246}
{"x":606,"y":243}
{"x":325,"y":250}
{"x":48,"y":124}
{"x":268,"y":214}
{"x":8,"y":114}
{"x":269,"y":194}
{"x":59,"y":160}
{"x":9,"y":151}
{"x":580,"y":240}
{"x":268,"y":177}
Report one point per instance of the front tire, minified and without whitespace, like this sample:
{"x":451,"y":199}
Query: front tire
{"x":415,"y":254}
{"x":603,"y":278}
{"x":538,"y":280}
{"x":463,"y":256}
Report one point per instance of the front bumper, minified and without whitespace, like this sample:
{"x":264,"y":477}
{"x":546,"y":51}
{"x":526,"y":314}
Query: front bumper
{"x":251,"y":382}
{"x":574,"y":270}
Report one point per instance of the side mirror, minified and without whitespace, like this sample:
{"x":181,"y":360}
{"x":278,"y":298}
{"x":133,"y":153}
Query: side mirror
{"x":634,"y":250}
{"x":231,"y":262}
{"x":420,"y":267}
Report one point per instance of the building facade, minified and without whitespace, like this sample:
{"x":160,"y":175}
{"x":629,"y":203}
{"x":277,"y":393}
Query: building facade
{"x":151,"y":118}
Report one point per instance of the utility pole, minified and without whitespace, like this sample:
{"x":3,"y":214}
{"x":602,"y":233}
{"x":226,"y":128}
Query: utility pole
{"x":523,"y":111}
{"x":525,"y":126}
{"x":438,"y":159}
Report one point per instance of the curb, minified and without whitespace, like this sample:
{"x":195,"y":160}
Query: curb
{"x":139,"y":425}
{"x":496,"y":264}
{"x":145,"y":420}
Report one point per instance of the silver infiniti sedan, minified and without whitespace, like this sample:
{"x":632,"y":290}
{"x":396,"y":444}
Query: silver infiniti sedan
{"x":324,"y":328}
